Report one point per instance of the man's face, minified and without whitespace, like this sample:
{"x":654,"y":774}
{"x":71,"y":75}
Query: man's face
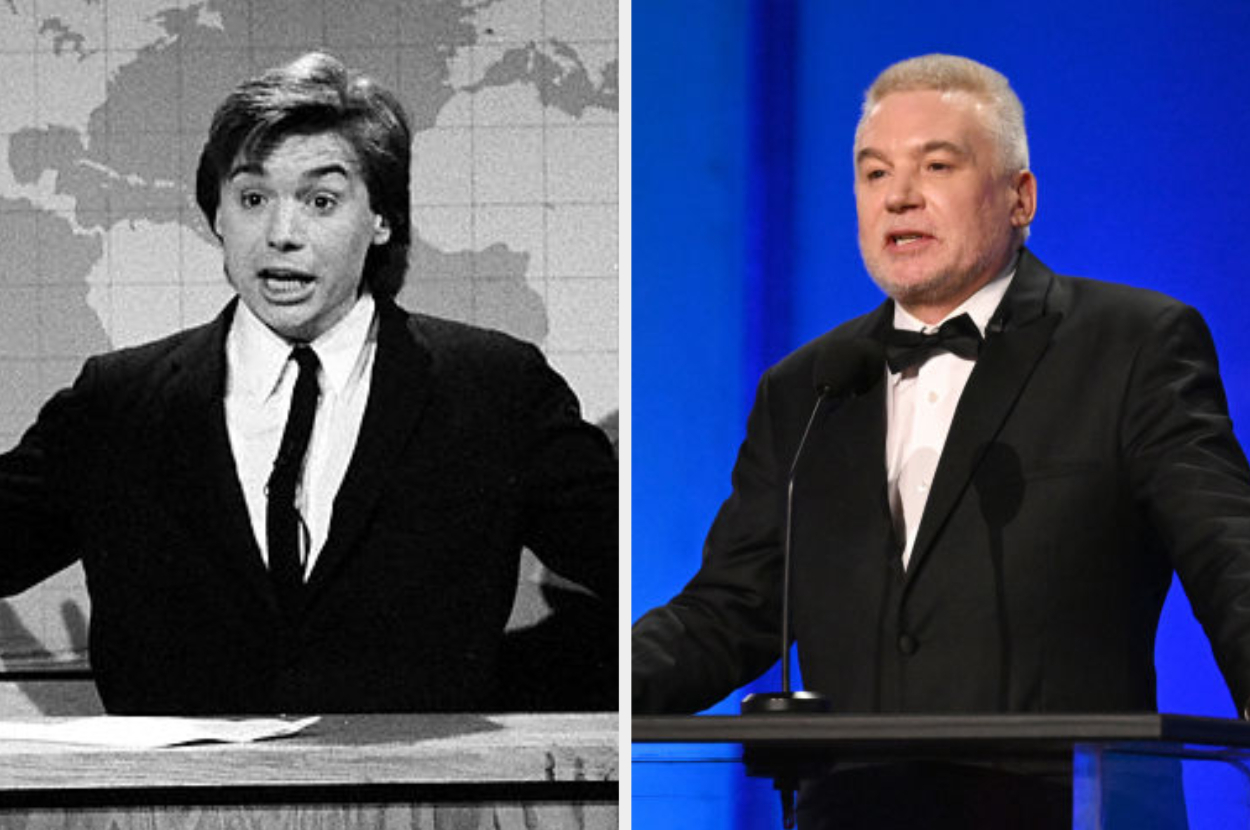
{"x":937,"y":216}
{"x":296,"y":230}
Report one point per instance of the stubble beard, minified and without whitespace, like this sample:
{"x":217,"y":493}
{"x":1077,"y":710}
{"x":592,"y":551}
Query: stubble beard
{"x":950,"y":284}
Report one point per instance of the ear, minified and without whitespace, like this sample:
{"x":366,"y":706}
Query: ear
{"x":1024,"y":188}
{"x":381,"y":229}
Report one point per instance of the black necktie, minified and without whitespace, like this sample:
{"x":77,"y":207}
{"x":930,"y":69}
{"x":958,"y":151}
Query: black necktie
{"x":959,"y":336}
{"x":283,"y":525}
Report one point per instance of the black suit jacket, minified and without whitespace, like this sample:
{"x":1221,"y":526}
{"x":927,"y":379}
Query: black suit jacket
{"x":470,"y":448}
{"x":1090,"y":454}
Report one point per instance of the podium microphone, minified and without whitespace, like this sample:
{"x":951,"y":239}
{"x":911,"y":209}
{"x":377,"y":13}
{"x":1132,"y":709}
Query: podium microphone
{"x":842,"y":369}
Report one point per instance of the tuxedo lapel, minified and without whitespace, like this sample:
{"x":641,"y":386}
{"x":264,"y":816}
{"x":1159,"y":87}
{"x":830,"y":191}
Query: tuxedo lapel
{"x":203,"y":486}
{"x":399,"y":392}
{"x":1017,"y":337}
{"x":841,"y":482}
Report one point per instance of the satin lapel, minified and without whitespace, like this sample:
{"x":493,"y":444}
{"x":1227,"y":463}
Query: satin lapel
{"x":398,"y":394}
{"x":200,"y":483}
{"x":1006,"y":362}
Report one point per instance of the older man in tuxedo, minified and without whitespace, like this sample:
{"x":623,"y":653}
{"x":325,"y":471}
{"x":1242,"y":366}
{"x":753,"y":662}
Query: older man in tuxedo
{"x":991,"y":525}
{"x":316,"y":502}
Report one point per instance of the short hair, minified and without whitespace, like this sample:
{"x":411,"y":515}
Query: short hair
{"x":316,"y":94}
{"x":950,"y":73}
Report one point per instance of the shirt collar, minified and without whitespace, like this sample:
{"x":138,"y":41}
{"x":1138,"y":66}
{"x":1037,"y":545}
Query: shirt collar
{"x":340,"y":348}
{"x":257,"y":356}
{"x":980,"y":306}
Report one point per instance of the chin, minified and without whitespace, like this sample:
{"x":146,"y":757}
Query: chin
{"x":898,"y":285}
{"x":291,"y":329}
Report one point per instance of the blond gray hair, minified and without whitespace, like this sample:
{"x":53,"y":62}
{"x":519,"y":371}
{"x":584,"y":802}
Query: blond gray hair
{"x":950,"y":73}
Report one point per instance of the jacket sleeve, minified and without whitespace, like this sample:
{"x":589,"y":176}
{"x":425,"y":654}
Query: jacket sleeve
{"x":723,"y":629}
{"x":37,"y":524}
{"x":1189,"y":472}
{"x":568,"y":483}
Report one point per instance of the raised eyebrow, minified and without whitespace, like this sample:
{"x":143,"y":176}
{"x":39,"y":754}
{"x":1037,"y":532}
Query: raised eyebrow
{"x":326,"y":170}
{"x":255,"y":169}
{"x":247,"y":168}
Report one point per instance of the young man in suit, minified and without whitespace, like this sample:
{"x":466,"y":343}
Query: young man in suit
{"x":991,"y":522}
{"x":316,"y":502}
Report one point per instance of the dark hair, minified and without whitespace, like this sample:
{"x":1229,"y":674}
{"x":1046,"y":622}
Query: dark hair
{"x":317,"y":94}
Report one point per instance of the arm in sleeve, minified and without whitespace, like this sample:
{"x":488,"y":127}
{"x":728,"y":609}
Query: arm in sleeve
{"x":569,"y":483}
{"x":1190,"y":473}
{"x":723,"y":629}
{"x":36,"y":521}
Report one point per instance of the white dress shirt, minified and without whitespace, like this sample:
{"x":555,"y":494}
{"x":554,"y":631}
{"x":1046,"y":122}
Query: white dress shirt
{"x":260,"y":378}
{"x":920,"y":407}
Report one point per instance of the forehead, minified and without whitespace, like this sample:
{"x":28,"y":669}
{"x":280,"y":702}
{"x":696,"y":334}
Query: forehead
{"x":903,"y":121}
{"x":299,"y":155}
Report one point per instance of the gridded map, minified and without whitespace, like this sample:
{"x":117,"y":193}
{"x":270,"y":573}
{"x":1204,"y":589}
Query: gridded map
{"x":105,"y":104}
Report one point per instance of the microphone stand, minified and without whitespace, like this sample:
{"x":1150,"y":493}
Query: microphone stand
{"x":786,"y":701}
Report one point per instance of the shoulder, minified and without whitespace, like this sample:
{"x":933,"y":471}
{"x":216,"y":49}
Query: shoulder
{"x":1115,"y":312}
{"x":1102,"y":297}
{"x":801,"y":364}
{"x":463,"y":359}
{"x":470,"y":366}
{"x":451,"y":338}
{"x":152,"y":353}
{"x":155,"y":361}
{"x":455,"y":346}
{"x":1037,"y":289}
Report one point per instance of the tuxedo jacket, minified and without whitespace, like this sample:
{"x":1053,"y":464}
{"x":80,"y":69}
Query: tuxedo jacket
{"x":1090,"y":455}
{"x":470,"y":448}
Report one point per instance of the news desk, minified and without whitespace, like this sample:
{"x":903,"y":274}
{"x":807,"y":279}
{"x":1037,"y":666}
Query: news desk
{"x":382,"y":772}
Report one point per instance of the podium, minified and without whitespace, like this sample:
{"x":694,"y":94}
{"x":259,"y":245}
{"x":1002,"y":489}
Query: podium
{"x":382,"y":772}
{"x":1122,"y":767}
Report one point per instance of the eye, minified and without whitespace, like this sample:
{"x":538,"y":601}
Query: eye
{"x":874,"y":175}
{"x":250,"y":199}
{"x":939,"y":166}
{"x":323,"y":202}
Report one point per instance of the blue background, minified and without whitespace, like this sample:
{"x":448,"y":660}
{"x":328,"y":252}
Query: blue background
{"x":744,"y":235}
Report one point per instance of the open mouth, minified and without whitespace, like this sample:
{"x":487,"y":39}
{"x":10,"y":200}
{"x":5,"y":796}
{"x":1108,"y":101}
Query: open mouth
{"x":285,"y":275}
{"x":286,"y":286}
{"x":906,"y":239}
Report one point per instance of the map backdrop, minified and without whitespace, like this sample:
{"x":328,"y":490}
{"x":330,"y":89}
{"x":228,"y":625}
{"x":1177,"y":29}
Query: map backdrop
{"x":105,"y":104}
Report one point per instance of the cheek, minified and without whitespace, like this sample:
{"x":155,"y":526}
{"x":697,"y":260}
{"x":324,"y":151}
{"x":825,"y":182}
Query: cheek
{"x":866,"y":217}
{"x":863,"y":207}
{"x":237,"y":236}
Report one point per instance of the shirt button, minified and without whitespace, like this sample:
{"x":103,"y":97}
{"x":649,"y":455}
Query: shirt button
{"x":933,"y":397}
{"x":907,"y":644}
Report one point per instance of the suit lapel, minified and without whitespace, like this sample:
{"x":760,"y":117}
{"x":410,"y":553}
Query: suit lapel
{"x":1016,"y":339}
{"x":843,"y":466}
{"x":398,"y":394}
{"x":204,"y":487}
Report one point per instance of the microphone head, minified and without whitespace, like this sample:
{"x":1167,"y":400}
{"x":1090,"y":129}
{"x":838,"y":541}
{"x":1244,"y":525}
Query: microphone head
{"x":848,"y":367}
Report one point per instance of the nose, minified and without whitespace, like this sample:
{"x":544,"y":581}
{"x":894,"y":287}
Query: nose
{"x":285,"y":231}
{"x":903,"y":194}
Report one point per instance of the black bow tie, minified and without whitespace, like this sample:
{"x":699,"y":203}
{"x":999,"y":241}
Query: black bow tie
{"x":959,"y":336}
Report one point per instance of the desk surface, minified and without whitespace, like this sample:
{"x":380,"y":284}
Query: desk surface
{"x":342,"y":750}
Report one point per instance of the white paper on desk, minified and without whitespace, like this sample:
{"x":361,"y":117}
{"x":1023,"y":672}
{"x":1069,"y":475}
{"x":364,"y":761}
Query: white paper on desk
{"x":151,"y":732}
